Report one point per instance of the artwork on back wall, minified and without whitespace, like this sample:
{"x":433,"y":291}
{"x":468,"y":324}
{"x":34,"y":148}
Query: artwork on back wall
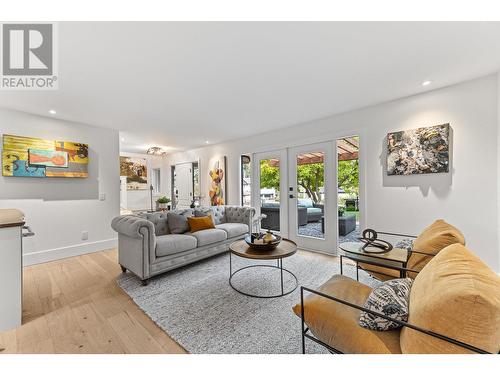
{"x":419,"y":151}
{"x":136,"y":171}
{"x":35,"y":157}
{"x":217,"y":174}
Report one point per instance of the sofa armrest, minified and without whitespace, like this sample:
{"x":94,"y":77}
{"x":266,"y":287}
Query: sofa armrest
{"x":132,"y":226}
{"x":239,"y":214}
{"x":136,"y":243}
{"x":376,"y":313}
{"x":319,"y":205}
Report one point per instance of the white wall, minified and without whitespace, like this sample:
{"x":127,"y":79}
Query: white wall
{"x":498,"y":161}
{"x":466,"y":197}
{"x":59,"y":209}
{"x":139,"y":199}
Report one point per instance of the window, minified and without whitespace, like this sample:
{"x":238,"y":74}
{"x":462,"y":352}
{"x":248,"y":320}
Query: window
{"x":156,"y":180}
{"x":246,"y":181}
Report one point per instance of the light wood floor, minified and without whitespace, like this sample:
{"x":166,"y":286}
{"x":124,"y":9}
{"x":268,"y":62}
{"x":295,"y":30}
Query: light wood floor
{"x":75,"y":306}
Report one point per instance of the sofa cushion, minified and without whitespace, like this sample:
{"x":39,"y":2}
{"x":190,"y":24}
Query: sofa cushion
{"x":432,"y":240}
{"x":391,"y":299}
{"x":458,"y":296}
{"x":306,"y":202}
{"x":233,"y":229}
{"x":337,"y":324}
{"x":177,"y":221}
{"x":200,"y":223}
{"x":174,"y":243}
{"x":209,"y":236}
{"x":314,"y":210}
{"x":271,"y":205}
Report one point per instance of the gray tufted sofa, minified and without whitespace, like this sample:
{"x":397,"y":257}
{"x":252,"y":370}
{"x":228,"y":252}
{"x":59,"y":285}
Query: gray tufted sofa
{"x":147,"y":248}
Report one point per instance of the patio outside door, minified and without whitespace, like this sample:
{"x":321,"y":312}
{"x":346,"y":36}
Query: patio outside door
{"x":269,"y":190}
{"x":312,"y":197}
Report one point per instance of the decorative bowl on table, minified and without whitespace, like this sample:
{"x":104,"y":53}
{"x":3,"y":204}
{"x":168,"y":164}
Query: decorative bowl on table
{"x":263,"y":241}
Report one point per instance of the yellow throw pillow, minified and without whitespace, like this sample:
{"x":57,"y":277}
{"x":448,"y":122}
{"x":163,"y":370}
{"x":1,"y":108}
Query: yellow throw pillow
{"x":432,"y":240}
{"x":456,"y":295}
{"x":200,"y":223}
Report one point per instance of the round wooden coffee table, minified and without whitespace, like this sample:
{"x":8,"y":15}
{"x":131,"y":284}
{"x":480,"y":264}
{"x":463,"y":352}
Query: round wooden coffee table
{"x":284,"y":250}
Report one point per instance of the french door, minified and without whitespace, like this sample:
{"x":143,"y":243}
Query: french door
{"x":312,"y":197}
{"x":295,"y":188}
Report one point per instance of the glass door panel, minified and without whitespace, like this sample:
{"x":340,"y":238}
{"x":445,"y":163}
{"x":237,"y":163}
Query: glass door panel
{"x":268,"y":187}
{"x":270,"y":193}
{"x":310,"y":170}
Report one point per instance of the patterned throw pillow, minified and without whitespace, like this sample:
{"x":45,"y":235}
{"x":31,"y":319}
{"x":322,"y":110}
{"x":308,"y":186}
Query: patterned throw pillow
{"x":406,"y":243}
{"x":391,"y":298}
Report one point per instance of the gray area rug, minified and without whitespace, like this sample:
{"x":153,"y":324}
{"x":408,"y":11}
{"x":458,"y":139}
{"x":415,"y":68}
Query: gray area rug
{"x":196,"y":306}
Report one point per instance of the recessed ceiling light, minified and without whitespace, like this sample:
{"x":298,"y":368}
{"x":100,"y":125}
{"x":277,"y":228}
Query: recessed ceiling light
{"x":207,"y":142}
{"x":426,"y":83}
{"x":52,"y":112}
{"x":123,"y":139}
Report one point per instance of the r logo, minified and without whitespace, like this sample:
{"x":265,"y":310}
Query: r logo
{"x":27,"y":49}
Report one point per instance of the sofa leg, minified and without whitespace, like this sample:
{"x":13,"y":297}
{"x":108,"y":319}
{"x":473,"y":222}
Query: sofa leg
{"x":145,"y":282}
{"x":123,"y":269}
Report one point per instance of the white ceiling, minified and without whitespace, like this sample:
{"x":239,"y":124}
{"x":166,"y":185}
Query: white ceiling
{"x":179,"y":84}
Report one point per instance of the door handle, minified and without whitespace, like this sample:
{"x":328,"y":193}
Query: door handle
{"x":29,"y":232}
{"x":291,"y":196}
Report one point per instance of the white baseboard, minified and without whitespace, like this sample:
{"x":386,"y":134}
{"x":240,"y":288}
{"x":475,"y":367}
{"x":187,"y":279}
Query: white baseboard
{"x":68,"y":251}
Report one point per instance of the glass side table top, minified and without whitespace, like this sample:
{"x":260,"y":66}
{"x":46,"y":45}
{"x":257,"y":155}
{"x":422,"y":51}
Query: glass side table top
{"x":355,"y":249}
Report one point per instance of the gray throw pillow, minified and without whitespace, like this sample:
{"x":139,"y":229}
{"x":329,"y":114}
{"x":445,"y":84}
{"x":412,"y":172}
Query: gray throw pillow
{"x":391,"y":298}
{"x":177,"y":222}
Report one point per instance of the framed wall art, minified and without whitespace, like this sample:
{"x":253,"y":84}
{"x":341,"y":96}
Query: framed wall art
{"x":419,"y":151}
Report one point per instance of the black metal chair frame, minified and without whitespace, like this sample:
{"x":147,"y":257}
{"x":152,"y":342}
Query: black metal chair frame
{"x":306,"y":334}
{"x":403,"y":270}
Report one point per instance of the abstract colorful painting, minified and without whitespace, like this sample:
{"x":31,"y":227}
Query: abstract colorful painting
{"x":35,"y":157}
{"x":48,"y":158}
{"x":217,"y":176}
{"x":136,"y":171}
{"x":419,"y":151}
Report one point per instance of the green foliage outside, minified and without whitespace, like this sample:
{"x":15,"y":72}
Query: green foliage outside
{"x":311,"y":177}
{"x":269,"y":176}
{"x":348,"y":176}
